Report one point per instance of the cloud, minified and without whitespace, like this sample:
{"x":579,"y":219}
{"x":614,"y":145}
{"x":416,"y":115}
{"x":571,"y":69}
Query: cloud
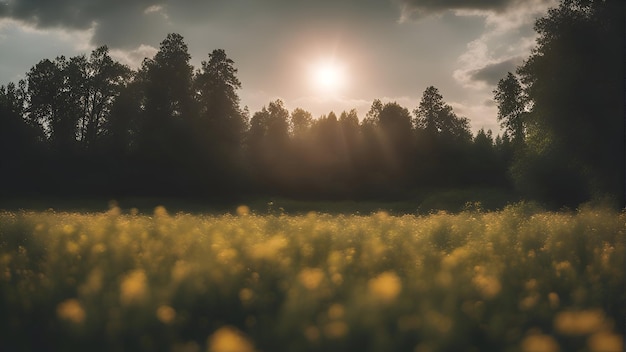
{"x":22,"y":46}
{"x":508,"y":38}
{"x":480,"y":115}
{"x":492,"y":73}
{"x":129,"y":23}
{"x":133,"y":58}
{"x":412,"y":9}
{"x":74,"y":14}
{"x":115,"y":23}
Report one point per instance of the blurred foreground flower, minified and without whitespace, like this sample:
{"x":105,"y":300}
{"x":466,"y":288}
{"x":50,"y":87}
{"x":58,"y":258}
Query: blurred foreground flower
{"x":71,"y":310}
{"x":580,"y":322}
{"x":385,"y":286}
{"x":540,"y":343}
{"x":133,"y":288}
{"x":606,"y":341}
{"x":243,"y":210}
{"x":166,"y":314}
{"x":229,"y":339}
{"x":311,"y":278}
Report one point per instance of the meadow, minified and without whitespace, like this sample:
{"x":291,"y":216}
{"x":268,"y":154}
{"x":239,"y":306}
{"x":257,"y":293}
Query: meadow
{"x":517,"y":279}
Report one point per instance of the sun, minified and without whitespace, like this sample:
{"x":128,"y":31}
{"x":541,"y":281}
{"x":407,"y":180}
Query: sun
{"x":328,"y":76}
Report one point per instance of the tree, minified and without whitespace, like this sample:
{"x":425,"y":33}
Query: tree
{"x":124,"y":126}
{"x":300,"y":122}
{"x":395,"y":119}
{"x":19,"y":142}
{"x":216,"y":87}
{"x":351,"y":134}
{"x":168,"y":80}
{"x":277,"y":123}
{"x":267,"y":143}
{"x":486,"y":168}
{"x":165,"y":143}
{"x":396,"y":129}
{"x":372,"y":116}
{"x":574,"y":82}
{"x":49,"y":107}
{"x":104,"y":79}
{"x":328,"y":140}
{"x":443,"y":142}
{"x":13,"y":99}
{"x":71,"y":99}
{"x":349,"y":120}
{"x":220,"y":124}
{"x":436,"y":117}
{"x":511,"y":107}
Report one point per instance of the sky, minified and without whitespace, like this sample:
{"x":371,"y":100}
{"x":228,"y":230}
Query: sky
{"x":390,"y":50}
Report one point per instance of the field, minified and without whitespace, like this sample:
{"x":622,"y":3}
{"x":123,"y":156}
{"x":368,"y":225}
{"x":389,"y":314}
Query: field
{"x":518,"y":279}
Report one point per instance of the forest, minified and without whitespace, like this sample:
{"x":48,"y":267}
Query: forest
{"x":90,"y":126}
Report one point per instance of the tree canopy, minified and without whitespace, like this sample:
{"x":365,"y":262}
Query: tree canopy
{"x":574,"y":84}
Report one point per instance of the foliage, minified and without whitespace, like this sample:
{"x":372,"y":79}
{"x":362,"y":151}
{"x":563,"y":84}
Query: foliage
{"x":511,"y":106}
{"x":574,"y":83}
{"x":71,"y":100}
{"x":300,"y":122}
{"x":437,"y":118}
{"x":514,"y":280}
{"x":217,"y":84}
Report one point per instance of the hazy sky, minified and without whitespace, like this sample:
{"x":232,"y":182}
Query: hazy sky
{"x":388,"y":49}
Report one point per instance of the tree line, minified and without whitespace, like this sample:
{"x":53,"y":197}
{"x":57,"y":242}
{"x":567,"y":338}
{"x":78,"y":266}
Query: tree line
{"x":88,"y":125}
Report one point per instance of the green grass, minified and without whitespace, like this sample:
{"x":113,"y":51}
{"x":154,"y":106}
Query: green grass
{"x":513,"y":280}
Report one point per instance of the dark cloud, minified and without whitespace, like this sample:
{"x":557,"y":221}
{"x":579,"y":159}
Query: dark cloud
{"x":128,"y":23}
{"x":75,"y":14}
{"x":118,"y":21}
{"x":128,"y":30}
{"x":417,"y":8}
{"x":491,"y":74}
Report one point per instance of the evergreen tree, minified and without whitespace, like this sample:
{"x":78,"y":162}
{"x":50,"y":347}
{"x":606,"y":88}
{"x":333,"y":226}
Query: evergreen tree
{"x":164,"y":136}
{"x":437,"y":118}
{"x":216,"y":88}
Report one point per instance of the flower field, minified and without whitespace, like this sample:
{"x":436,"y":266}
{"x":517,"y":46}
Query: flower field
{"x":512,"y":280}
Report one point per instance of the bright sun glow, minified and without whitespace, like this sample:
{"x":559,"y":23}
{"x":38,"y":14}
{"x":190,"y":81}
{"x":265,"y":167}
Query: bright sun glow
{"x":328,"y":77}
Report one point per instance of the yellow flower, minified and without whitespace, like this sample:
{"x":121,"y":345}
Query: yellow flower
{"x":166,"y":314}
{"x":134,"y":287}
{"x":243,"y":210}
{"x":311,"y":278}
{"x":71,"y":310}
{"x":540,"y":343}
{"x":246,"y":295}
{"x":579,"y":322}
{"x":336,"y":329}
{"x":229,"y":339}
{"x":385,"y":286}
{"x":160,"y":212}
{"x":488,"y":286}
{"x":605,"y":341}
